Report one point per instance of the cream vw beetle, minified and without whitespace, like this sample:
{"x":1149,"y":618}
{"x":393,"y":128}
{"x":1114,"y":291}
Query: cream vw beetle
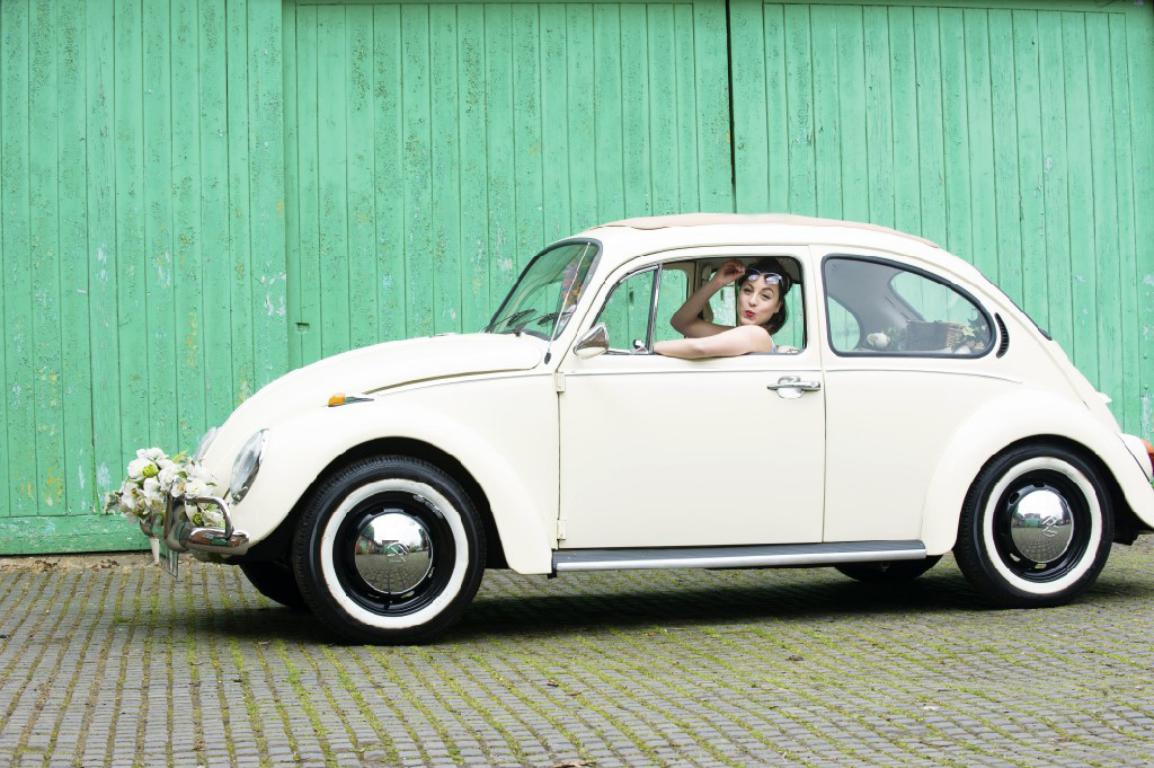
{"x":909,"y":409}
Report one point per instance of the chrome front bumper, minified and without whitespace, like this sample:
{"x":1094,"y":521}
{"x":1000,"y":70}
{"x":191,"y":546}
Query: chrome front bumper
{"x":179,"y":534}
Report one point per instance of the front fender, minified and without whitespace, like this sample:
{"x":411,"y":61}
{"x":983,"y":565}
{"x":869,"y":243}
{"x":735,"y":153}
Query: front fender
{"x":297,"y":451}
{"x":1011,"y":418}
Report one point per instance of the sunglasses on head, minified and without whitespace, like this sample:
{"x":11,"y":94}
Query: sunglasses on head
{"x":770,"y":278}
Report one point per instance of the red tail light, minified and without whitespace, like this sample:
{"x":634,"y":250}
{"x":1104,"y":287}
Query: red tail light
{"x":1149,"y":453}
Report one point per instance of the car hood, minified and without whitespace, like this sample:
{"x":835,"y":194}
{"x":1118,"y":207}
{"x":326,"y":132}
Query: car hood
{"x":370,"y":369}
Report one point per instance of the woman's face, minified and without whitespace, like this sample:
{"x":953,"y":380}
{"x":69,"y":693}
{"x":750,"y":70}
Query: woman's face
{"x":757,"y":301}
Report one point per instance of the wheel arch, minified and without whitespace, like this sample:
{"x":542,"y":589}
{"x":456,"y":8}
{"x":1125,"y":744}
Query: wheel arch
{"x":1021,"y":419}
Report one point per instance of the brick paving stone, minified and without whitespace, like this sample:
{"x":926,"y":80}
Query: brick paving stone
{"x":105,"y":661}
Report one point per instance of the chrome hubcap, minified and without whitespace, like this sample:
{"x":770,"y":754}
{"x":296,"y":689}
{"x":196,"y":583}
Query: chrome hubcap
{"x":1041,"y":523}
{"x":394,"y":552}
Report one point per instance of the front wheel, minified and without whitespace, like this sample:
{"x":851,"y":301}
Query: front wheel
{"x":1036,"y":527}
{"x":389,"y":549}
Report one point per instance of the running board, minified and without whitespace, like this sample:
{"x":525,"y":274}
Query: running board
{"x":763,"y":555}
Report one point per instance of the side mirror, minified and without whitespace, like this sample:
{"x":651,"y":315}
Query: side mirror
{"x":595,"y":341}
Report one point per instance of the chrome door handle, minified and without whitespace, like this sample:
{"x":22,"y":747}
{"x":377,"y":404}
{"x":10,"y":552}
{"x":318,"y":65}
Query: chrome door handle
{"x":795,"y":382}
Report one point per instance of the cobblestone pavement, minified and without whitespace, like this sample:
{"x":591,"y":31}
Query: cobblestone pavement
{"x":106,"y":661}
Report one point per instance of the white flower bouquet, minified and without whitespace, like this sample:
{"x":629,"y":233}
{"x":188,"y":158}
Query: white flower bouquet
{"x":153,"y":477}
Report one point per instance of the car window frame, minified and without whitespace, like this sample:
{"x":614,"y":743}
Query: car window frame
{"x":906,"y":267}
{"x":669,"y":257}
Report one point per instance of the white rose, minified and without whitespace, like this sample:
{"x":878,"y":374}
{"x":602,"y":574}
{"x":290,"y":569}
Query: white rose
{"x":152,"y":454}
{"x":136,"y":468}
{"x":168,"y":475}
{"x":128,"y":502}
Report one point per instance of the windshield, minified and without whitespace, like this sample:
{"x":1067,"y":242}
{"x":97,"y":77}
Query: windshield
{"x":547,"y":292}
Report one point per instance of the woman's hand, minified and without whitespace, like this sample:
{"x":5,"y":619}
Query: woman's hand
{"x":729,"y":271}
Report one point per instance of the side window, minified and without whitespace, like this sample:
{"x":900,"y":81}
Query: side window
{"x":880,"y":308}
{"x":626,"y":312}
{"x":722,"y":308}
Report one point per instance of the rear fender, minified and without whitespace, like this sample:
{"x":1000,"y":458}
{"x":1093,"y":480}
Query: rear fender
{"x":1012,"y":418}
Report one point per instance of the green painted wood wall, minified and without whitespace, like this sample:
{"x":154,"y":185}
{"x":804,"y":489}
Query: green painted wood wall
{"x":197,"y":195}
{"x":141,"y":237}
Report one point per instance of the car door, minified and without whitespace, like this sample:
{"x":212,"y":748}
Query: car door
{"x":659,"y":452}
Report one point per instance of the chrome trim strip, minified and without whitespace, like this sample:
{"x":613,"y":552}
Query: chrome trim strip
{"x":737,"y":557}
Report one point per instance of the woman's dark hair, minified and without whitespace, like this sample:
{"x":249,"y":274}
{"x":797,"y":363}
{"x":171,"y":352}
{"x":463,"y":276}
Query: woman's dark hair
{"x":778,"y":319}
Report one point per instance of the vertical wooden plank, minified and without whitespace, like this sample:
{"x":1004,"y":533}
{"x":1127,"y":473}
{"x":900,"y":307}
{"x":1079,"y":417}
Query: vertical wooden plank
{"x":688,"y":176}
{"x":752,"y":111}
{"x":956,"y":145}
{"x":19,"y":392}
{"x":636,"y":144}
{"x":297,"y":328}
{"x":1081,"y":158}
{"x":417,"y":169}
{"x":239,"y":188}
{"x":100,"y":159}
{"x":1130,"y":334}
{"x":931,"y":151}
{"x":777,"y":108}
{"x":583,"y":193}
{"x":879,"y":99}
{"x":447,"y":278}
{"x":159,"y":320}
{"x":1005,"y":136}
{"x":266,"y":170}
{"x":214,"y":210}
{"x":1031,"y":166}
{"x":5,"y":86}
{"x":333,"y":203}
{"x":802,"y":111}
{"x":76,"y":374}
{"x":1053,"y":101}
{"x":499,"y":133}
{"x":607,"y":88}
{"x":474,"y":167}
{"x":904,"y":109}
{"x":362,"y":226}
{"x":130,"y":261}
{"x":186,"y":216}
{"x":1104,"y":249}
{"x":44,"y":258}
{"x":1140,"y":45}
{"x":826,"y":110}
{"x":714,"y":158}
{"x":387,"y":161}
{"x":308,"y":317}
{"x":662,"y":106}
{"x":983,"y":201}
{"x":852,"y":115}
{"x":527,"y":136}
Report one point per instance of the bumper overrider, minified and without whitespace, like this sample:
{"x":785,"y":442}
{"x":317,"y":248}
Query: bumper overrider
{"x":181,"y":535}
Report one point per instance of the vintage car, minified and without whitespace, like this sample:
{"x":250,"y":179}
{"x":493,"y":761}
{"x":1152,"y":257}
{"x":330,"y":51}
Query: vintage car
{"x":908,"y":409}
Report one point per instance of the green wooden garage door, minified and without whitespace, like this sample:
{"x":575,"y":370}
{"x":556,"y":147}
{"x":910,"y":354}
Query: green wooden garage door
{"x":433,"y":148}
{"x":1019,"y":137}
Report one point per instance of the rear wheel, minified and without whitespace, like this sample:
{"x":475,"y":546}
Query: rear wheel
{"x":389,"y":550}
{"x":892,"y":572}
{"x":276,"y":582}
{"x":1036,"y":527}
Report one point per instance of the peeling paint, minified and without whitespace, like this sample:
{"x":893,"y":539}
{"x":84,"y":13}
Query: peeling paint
{"x":80,"y":477}
{"x":103,"y":477}
{"x":1148,"y":280}
{"x":102,"y":255}
{"x":1148,"y":416}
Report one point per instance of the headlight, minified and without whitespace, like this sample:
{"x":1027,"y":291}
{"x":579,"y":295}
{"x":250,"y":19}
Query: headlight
{"x":246,"y":466}
{"x":205,"y":442}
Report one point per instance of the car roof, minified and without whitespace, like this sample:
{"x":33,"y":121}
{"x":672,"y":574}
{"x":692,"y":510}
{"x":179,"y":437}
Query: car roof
{"x":628,"y":238}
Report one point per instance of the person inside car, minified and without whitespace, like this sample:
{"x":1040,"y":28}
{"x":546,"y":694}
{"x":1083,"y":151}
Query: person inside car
{"x":761,"y":312}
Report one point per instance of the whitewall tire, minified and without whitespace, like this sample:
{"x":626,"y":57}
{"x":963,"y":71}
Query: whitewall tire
{"x":389,"y":549}
{"x":1036,"y":527}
